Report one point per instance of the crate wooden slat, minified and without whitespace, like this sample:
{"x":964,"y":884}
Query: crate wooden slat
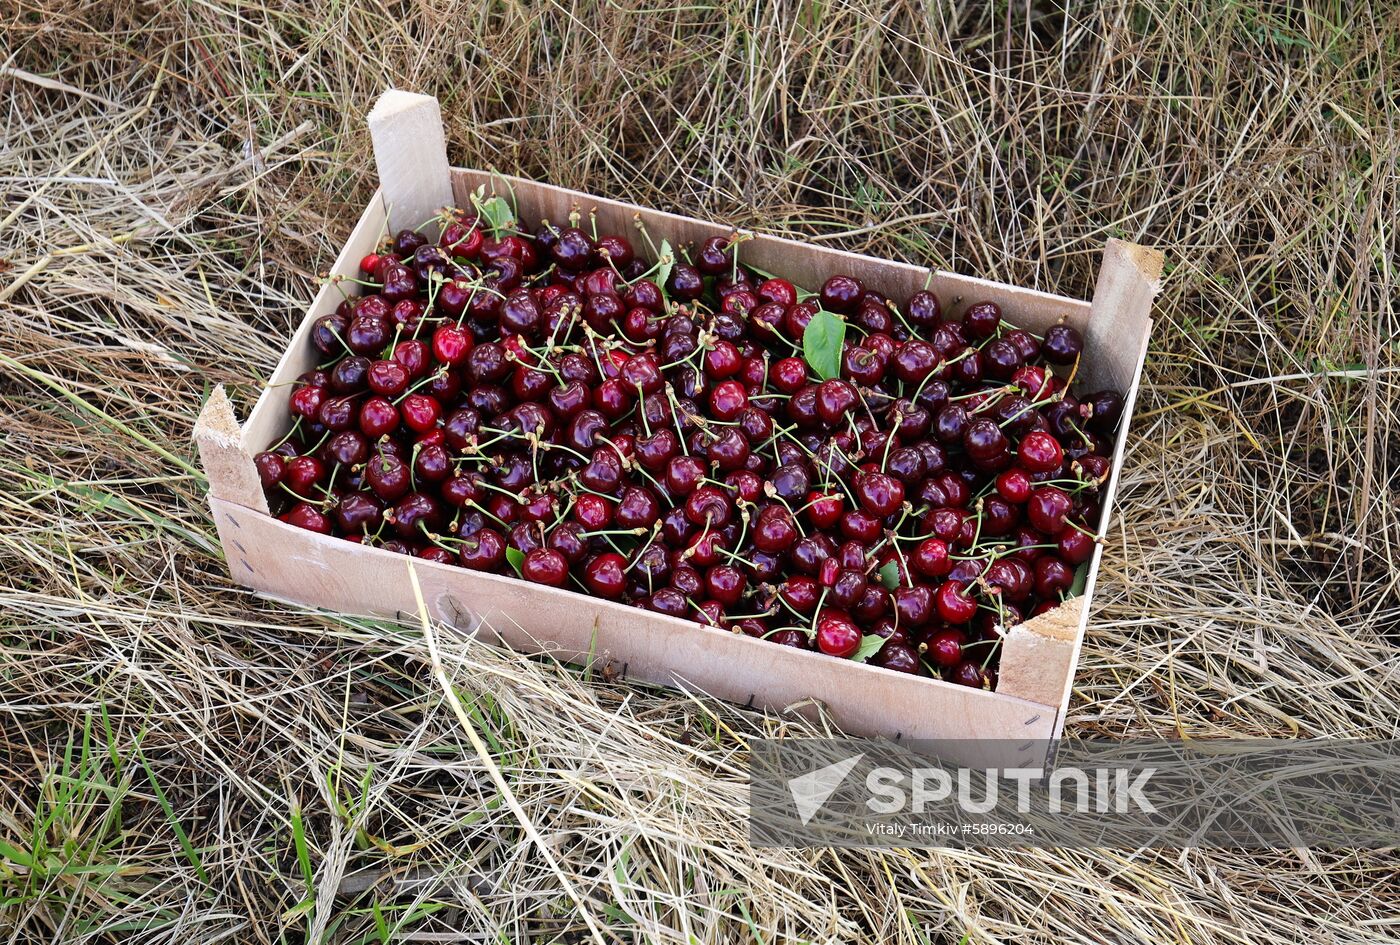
{"x":279,"y":560}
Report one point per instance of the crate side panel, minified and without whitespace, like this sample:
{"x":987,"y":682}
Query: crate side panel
{"x":269,"y":419}
{"x":321,"y":571}
{"x":804,"y":263}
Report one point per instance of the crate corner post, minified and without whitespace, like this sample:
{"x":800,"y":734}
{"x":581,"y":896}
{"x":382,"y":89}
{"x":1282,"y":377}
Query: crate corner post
{"x":227,"y":463}
{"x":410,"y":155}
{"x":1038,"y":657}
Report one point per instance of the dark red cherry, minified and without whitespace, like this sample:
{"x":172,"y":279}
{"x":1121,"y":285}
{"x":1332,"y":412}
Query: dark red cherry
{"x":982,"y":319}
{"x":725,"y":584}
{"x":685,"y":282}
{"x":1051,"y":577}
{"x":922,"y":310}
{"x":835,"y":398}
{"x":728,"y":399}
{"x":1014,"y":486}
{"x":1047,"y":509}
{"x":837,"y":634}
{"x":775,"y":531}
{"x":271,"y":468}
{"x":954,"y":604}
{"x":310,"y":517}
{"x":914,"y":360}
{"x":1040,"y":452}
{"x":1075,"y":546}
{"x":484,"y":550}
{"x":860,"y":526}
{"x":420,"y":412}
{"x":945,"y":648}
{"x":728,"y":451}
{"x":545,"y":566}
{"x":841,"y":294}
{"x":878,"y":494}
{"x":788,"y":375}
{"x":1062,"y":344}
{"x":303,"y":475}
{"x":791,"y":637}
{"x":800,"y":593}
{"x":637,"y":508}
{"x":606,"y":575}
{"x":1105,"y":410}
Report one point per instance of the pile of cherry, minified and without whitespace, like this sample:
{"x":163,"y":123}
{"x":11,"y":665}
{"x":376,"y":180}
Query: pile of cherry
{"x":825,"y":470}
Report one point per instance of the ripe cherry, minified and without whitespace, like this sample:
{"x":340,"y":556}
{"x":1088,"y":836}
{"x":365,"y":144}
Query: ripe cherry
{"x":982,"y":319}
{"x":922,"y":310}
{"x":971,"y":674}
{"x":307,"y":401}
{"x":913,"y":605}
{"x":1047,"y":509}
{"x":725,"y":584}
{"x":824,"y":509}
{"x":860,"y":526}
{"x":837,"y":634}
{"x":1014,"y":486}
{"x":728,"y":399}
{"x":835,"y":398}
{"x":271,"y":468}
{"x":485,"y":550}
{"x":931,"y":558}
{"x":788,"y":375}
{"x":388,"y":378}
{"x":878,"y":494}
{"x":303,"y":475}
{"x":545,"y":566}
{"x":451,"y":345}
{"x":1051,"y":576}
{"x":801,"y":593}
{"x":945,"y":648}
{"x":841,"y":294}
{"x":1062,"y":344}
{"x":1074,"y":546}
{"x":309,"y":517}
{"x":1040,"y":452}
{"x":954,"y":604}
{"x":637,"y":508}
{"x":775,"y":531}
{"x":420,"y":412}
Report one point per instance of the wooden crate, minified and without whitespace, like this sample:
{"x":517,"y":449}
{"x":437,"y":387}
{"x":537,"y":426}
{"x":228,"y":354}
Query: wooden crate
{"x":288,"y":563}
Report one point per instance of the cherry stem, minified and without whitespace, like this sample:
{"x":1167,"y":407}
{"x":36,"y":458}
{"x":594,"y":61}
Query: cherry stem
{"x":296,"y":425}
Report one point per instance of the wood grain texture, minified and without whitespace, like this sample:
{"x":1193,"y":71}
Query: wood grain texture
{"x":293,"y":564}
{"x":410,"y":153}
{"x":1130,"y":276}
{"x":225,"y":460}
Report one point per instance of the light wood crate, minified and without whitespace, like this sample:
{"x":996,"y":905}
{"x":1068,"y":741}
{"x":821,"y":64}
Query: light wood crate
{"x":292,"y":564}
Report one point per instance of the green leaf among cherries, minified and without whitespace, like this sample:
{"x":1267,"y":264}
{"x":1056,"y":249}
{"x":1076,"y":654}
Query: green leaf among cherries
{"x":870,"y":644}
{"x":821,"y":344}
{"x":516,"y":557}
{"x":1081,"y":577}
{"x":666,"y":261}
{"x":889,"y":575}
{"x":497,"y":213}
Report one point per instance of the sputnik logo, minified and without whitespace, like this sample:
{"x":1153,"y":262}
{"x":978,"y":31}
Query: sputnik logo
{"x":811,"y":791}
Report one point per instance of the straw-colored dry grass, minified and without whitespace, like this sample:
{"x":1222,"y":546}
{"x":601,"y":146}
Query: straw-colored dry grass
{"x":181,"y":759}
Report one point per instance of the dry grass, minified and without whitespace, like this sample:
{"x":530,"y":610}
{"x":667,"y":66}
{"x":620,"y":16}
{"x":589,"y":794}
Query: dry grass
{"x":180,"y":759}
